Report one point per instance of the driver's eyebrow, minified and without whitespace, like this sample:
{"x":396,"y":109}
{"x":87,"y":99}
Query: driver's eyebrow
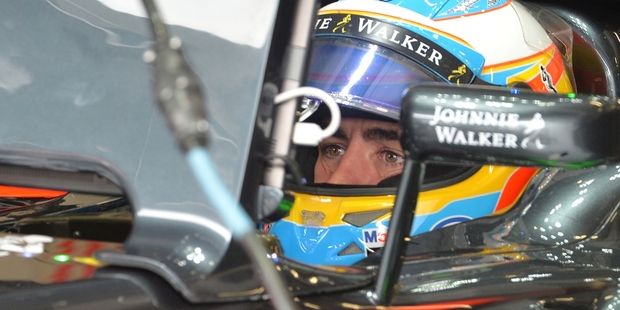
{"x":381,"y":134}
{"x":339,"y":134}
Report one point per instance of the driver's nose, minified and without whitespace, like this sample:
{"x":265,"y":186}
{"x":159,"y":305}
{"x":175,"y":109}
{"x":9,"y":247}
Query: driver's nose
{"x":355,"y":169}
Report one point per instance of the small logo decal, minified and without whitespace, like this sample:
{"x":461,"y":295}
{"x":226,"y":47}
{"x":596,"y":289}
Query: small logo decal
{"x":340,"y":25}
{"x":463,"y":6}
{"x":462,"y":69}
{"x":546,"y":79}
{"x":312,"y":218}
{"x":533,"y":128}
{"x":375,"y":237}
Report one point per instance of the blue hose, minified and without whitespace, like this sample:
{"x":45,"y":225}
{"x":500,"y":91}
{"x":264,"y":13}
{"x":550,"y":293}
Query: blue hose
{"x":218,"y":194}
{"x":242,"y":226}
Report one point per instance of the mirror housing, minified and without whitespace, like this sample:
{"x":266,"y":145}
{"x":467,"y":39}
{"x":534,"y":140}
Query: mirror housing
{"x":491,"y":125}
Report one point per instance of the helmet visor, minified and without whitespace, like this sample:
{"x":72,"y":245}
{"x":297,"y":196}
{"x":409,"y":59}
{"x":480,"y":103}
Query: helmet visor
{"x":363,"y":75}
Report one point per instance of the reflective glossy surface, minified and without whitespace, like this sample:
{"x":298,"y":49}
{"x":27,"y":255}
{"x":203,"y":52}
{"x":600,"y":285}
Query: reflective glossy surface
{"x":75,"y":69}
{"x":506,"y":257}
{"x":510,"y":126}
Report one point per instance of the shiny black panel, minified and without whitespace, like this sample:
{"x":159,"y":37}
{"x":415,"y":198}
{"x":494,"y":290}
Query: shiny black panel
{"x":572,"y":208}
{"x":558,"y":244}
{"x":514,"y":127}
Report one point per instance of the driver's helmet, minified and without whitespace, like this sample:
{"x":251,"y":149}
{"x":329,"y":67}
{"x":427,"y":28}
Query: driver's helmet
{"x":366,"y":54}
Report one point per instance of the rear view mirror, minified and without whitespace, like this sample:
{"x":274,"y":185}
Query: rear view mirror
{"x":512,"y":127}
{"x":492,"y":125}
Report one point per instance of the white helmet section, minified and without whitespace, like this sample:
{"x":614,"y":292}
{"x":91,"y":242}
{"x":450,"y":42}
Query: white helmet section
{"x":502,"y":34}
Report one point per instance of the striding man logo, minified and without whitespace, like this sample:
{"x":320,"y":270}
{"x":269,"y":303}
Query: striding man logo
{"x":456,"y":74}
{"x":340,"y":25}
{"x":532,"y":130}
{"x":547,"y":79}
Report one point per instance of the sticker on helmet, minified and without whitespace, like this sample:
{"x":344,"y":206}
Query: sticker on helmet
{"x":547,"y":79}
{"x":375,"y":237}
{"x":462,"y":6}
{"x":312,"y":218}
{"x":407,"y":42}
{"x":457,"y":74}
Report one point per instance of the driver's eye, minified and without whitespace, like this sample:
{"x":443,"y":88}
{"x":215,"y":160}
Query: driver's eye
{"x":392,"y":158}
{"x":334,"y":151}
